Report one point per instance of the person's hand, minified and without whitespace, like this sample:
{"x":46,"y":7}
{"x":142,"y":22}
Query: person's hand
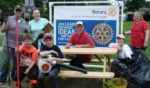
{"x":67,"y":46}
{"x":77,"y":46}
{"x":16,"y":49}
{"x":27,"y":71}
{"x":4,"y":28}
{"x":145,"y":45}
{"x":49,"y":59}
{"x":54,"y":52}
{"x":40,"y":36}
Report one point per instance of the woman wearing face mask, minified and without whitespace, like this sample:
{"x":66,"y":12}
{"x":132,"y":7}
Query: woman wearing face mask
{"x":35,"y":26}
{"x":139,"y":32}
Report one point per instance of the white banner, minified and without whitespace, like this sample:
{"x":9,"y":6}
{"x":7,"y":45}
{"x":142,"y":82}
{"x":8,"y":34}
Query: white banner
{"x":102,"y":18}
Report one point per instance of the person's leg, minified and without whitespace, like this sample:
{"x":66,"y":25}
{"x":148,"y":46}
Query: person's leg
{"x":77,"y":62}
{"x":41,"y":77}
{"x":21,"y":76}
{"x":53,"y":74}
{"x":5,"y":64}
{"x":14,"y":64}
{"x":33,"y":76}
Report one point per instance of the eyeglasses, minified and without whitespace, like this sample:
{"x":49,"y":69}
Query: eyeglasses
{"x":18,"y":10}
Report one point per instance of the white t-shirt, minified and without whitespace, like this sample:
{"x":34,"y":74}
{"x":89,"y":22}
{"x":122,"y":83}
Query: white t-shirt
{"x":126,"y":51}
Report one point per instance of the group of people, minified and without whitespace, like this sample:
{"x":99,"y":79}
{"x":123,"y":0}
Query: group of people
{"x":80,"y":39}
{"x":28,"y":54}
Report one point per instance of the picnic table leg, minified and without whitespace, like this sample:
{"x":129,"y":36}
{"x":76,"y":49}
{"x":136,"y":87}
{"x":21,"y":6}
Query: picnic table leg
{"x":109,"y":63}
{"x":105,"y":64}
{"x":104,"y":68}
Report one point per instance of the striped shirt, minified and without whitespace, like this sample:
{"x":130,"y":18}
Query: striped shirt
{"x":11,"y":22}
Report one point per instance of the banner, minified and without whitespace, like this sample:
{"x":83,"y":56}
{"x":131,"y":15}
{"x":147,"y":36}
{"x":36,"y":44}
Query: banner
{"x":101,"y":22}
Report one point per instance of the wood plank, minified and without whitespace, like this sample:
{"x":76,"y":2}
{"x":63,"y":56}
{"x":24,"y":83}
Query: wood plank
{"x":95,"y":50}
{"x":93,"y":60}
{"x":75,"y":74}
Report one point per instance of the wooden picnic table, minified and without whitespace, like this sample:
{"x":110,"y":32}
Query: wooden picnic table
{"x":106,"y":51}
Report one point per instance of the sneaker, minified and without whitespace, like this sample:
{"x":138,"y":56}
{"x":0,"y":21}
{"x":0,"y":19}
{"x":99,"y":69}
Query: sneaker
{"x":1,"y":83}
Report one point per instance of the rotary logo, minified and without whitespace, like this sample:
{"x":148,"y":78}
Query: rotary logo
{"x":112,"y":12}
{"x":102,"y":33}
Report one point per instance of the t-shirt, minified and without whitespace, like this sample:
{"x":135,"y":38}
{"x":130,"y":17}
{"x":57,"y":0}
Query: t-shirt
{"x":11,"y":22}
{"x":54,"y":47}
{"x":126,"y":50}
{"x":28,"y":55}
{"x":138,"y":34}
{"x":36,"y":27}
{"x":84,"y":38}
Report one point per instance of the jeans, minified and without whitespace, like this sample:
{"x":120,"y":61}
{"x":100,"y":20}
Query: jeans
{"x":134,"y":49}
{"x":52,"y":75}
{"x":7,"y":55}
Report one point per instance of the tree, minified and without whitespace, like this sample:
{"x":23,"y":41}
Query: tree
{"x":133,"y":5}
{"x":7,"y":7}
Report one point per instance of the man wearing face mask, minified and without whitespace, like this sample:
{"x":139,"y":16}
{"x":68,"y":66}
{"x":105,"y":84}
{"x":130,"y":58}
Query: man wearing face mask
{"x":80,"y":39}
{"x":9,"y":43}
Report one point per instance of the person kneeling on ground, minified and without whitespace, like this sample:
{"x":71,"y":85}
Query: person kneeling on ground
{"x":125,"y":54}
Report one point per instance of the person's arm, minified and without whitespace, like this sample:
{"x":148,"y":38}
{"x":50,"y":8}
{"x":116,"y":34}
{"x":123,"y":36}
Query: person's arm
{"x":4,"y":28}
{"x":127,"y":33}
{"x":68,"y":45}
{"x":128,"y":52}
{"x":54,"y":58}
{"x":146,"y":38}
{"x":45,"y":53}
{"x":30,"y":67}
{"x":83,"y":46}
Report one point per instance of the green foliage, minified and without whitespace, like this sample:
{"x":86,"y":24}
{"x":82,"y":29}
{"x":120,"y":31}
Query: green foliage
{"x":134,"y":5}
{"x":7,"y":7}
{"x":115,"y":83}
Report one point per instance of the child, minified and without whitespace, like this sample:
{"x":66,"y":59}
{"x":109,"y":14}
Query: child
{"x":47,"y":49}
{"x":28,"y":61}
{"x":124,"y":50}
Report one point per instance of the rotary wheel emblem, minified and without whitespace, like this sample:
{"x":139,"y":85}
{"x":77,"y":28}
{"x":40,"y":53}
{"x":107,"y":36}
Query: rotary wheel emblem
{"x":102,"y":33}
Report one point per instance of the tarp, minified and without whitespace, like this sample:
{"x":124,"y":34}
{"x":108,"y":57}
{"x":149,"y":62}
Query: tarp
{"x":135,"y":70}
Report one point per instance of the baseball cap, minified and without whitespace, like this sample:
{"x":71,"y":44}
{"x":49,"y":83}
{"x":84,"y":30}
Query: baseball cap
{"x":121,"y":36}
{"x":48,"y":35}
{"x":79,"y":22}
{"x":18,"y":8}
